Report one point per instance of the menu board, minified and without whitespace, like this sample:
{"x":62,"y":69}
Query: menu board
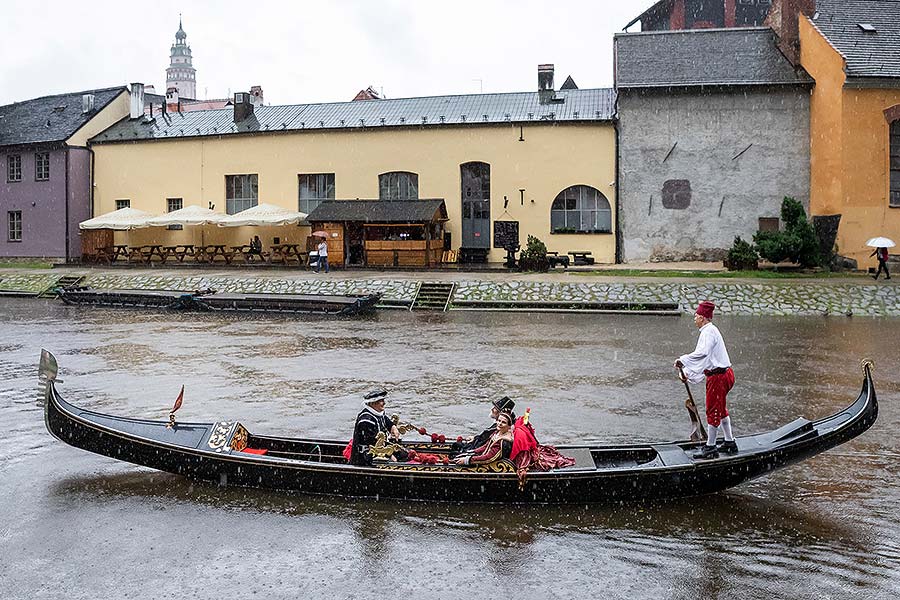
{"x":506,"y":233}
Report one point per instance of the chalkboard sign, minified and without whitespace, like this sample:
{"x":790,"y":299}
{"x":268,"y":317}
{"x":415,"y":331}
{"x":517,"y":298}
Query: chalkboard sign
{"x":506,"y":233}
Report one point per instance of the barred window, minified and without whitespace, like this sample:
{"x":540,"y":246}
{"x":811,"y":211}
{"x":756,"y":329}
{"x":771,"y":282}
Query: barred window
{"x":173,"y":204}
{"x":580,"y":209}
{"x":314,"y":188}
{"x":14,"y":230}
{"x":895,"y":165}
{"x":42,"y":166}
{"x":241,"y":192}
{"x":13,"y":167}
{"x":123,"y":203}
{"x":398,"y":185}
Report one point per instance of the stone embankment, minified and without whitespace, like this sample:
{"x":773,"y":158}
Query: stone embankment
{"x":782,"y":297}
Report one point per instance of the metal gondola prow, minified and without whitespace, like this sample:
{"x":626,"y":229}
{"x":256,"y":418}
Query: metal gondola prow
{"x":48,"y":369}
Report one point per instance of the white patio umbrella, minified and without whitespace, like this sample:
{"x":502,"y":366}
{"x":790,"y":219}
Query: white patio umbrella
{"x":189,"y":215}
{"x":263,"y":214}
{"x":880,"y":242}
{"x":121,"y":220}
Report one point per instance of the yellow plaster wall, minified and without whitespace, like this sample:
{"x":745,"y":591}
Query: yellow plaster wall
{"x":552,"y":158}
{"x":849,"y":150}
{"x":112,"y":113}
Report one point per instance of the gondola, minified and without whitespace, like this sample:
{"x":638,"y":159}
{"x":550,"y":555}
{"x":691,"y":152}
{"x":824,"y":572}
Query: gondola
{"x":209,"y":300}
{"x":226,"y":453}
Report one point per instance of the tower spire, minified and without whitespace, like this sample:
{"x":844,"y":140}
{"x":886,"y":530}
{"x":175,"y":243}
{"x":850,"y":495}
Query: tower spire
{"x":181,"y":74}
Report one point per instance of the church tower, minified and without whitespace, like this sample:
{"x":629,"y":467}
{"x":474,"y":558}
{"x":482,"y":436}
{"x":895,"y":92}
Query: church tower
{"x":181,"y":74}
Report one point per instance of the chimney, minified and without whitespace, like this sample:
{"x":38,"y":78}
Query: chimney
{"x":545,"y":84}
{"x":243,"y":108}
{"x":87,"y":103}
{"x":137,"y":101}
{"x":172,"y":100}
{"x":256,"y":95}
{"x":784,"y":19}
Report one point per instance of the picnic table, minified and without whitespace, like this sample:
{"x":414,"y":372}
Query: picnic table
{"x":180,"y":251}
{"x":248,"y":254}
{"x":581,"y":257}
{"x":555,"y":259}
{"x":151,"y":250}
{"x":119,"y":251}
{"x":284,"y":252}
{"x":210,"y":252}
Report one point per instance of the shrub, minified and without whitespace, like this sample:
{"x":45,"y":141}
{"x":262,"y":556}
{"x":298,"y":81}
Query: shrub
{"x":742,"y":256}
{"x":534,"y":256}
{"x":796,"y":243}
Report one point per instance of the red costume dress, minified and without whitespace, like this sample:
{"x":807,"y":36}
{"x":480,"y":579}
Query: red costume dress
{"x":528,"y":455}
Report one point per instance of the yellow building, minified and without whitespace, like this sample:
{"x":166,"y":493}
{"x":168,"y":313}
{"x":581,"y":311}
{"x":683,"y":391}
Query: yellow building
{"x":852,"y":50}
{"x":543,"y":159}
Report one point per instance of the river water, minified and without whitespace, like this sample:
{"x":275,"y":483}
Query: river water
{"x":79,"y":525}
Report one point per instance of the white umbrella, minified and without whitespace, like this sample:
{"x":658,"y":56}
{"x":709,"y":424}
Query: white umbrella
{"x":880,"y":242}
{"x":189,"y":215}
{"x":263,"y":214}
{"x":122,"y":219}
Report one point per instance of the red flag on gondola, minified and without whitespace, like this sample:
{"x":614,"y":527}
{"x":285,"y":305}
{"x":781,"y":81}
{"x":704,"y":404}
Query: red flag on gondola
{"x":178,"y":400}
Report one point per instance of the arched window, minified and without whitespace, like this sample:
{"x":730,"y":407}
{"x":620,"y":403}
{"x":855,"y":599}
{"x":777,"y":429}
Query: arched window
{"x":580,"y":209}
{"x":398,"y":185}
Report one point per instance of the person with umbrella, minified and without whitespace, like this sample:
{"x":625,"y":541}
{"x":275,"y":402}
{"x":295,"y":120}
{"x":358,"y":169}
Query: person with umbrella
{"x":881,"y":245}
{"x":322,"y":249}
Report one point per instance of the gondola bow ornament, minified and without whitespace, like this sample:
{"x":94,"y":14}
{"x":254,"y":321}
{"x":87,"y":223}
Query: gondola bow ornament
{"x":178,"y":401}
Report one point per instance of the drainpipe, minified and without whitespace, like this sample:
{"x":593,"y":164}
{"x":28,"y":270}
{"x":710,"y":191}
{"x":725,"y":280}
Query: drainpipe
{"x":618,"y":189}
{"x":91,"y":181}
{"x":67,"y":203}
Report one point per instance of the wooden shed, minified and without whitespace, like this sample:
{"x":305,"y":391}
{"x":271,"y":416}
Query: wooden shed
{"x":400,"y":233}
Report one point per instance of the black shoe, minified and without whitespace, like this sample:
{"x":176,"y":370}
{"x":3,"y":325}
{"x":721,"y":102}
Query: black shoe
{"x":707,"y":452}
{"x":728,"y":447}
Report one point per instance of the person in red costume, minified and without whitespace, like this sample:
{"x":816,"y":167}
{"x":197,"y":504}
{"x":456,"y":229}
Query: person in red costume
{"x":498,"y":446}
{"x":530,"y":455}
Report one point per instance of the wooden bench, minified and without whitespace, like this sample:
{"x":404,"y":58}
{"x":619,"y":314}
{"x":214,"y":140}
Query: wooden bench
{"x":555,"y":259}
{"x":580,"y":257}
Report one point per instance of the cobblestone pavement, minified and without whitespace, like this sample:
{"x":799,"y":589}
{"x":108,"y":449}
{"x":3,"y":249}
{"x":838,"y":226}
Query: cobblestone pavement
{"x":849,"y":296}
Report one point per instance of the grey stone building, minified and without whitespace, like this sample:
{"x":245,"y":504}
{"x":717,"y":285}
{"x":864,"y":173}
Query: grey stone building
{"x":713,"y":134}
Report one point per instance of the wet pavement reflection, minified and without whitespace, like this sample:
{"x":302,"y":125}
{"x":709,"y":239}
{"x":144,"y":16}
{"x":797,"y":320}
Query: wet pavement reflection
{"x":81,"y":525}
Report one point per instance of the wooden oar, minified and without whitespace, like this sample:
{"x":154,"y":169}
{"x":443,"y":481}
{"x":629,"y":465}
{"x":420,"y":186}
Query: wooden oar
{"x":698,"y":433}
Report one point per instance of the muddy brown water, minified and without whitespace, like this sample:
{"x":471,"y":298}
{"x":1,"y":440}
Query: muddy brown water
{"x":77,"y":525}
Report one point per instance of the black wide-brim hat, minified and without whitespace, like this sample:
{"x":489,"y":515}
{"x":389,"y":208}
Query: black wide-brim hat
{"x":504,"y":404}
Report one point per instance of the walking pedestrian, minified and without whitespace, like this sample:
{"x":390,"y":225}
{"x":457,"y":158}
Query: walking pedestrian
{"x":323,"y":255}
{"x":710,"y":360}
{"x":882,"y":255}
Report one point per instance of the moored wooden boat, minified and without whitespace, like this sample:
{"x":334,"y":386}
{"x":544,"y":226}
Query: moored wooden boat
{"x":228,"y":454}
{"x":208,"y":300}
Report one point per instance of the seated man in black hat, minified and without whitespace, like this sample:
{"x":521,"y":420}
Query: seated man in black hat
{"x":504,"y":404}
{"x":369,"y":423}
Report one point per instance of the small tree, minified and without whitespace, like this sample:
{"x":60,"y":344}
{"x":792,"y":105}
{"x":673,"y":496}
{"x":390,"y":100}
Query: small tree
{"x":534,"y":256}
{"x":796,"y":243}
{"x":742,"y":256}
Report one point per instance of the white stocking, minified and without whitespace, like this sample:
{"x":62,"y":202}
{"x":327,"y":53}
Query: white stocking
{"x":726,"y":429}
{"x":711,"y":434}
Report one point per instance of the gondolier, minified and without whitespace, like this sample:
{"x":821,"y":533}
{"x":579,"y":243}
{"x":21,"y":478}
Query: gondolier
{"x":371,"y":421}
{"x":710,"y":360}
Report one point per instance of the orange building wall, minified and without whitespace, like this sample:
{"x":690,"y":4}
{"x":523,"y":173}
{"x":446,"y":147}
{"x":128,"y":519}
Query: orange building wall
{"x":849,"y":150}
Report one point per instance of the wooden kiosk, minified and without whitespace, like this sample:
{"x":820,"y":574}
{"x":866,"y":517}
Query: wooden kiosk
{"x":382,"y":233}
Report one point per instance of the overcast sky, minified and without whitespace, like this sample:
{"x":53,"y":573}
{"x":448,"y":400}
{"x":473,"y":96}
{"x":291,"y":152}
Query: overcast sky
{"x":311,"y":51}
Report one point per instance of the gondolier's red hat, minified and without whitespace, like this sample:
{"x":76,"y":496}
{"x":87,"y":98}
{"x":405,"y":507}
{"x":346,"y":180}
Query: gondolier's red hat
{"x":705,"y":309}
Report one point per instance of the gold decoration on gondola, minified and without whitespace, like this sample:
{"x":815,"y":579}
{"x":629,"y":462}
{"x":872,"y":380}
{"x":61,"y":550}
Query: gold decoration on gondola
{"x":499,"y":466}
{"x":404,"y":427}
{"x":381,"y":448}
{"x":239,"y":438}
{"x":867,"y":362}
{"x":218,"y":437}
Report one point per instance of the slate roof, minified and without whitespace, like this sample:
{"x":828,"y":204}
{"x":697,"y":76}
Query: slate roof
{"x":379,"y":211}
{"x":868,"y":54}
{"x":50,"y":118}
{"x":702,"y":57}
{"x":435,"y":111}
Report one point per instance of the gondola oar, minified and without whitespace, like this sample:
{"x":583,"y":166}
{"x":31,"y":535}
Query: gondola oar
{"x":698,"y":433}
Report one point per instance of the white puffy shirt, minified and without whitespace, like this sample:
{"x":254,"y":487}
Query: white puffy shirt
{"x":709,"y":354}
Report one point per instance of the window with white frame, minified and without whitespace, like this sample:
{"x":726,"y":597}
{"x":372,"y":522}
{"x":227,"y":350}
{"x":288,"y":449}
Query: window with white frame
{"x":241,"y":192}
{"x":173,"y":204}
{"x":580,"y":209}
{"x":314,"y":188}
{"x":14,"y":230}
{"x":398,"y":185}
{"x":123,"y":203}
{"x":13,"y":167}
{"x":41,"y":166}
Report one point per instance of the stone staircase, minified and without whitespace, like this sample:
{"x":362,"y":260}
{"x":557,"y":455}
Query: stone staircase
{"x":65,"y":282}
{"x":433,"y":296}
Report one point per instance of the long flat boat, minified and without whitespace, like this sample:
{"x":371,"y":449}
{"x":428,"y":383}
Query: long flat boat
{"x":208,"y":300}
{"x":226,"y":453}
